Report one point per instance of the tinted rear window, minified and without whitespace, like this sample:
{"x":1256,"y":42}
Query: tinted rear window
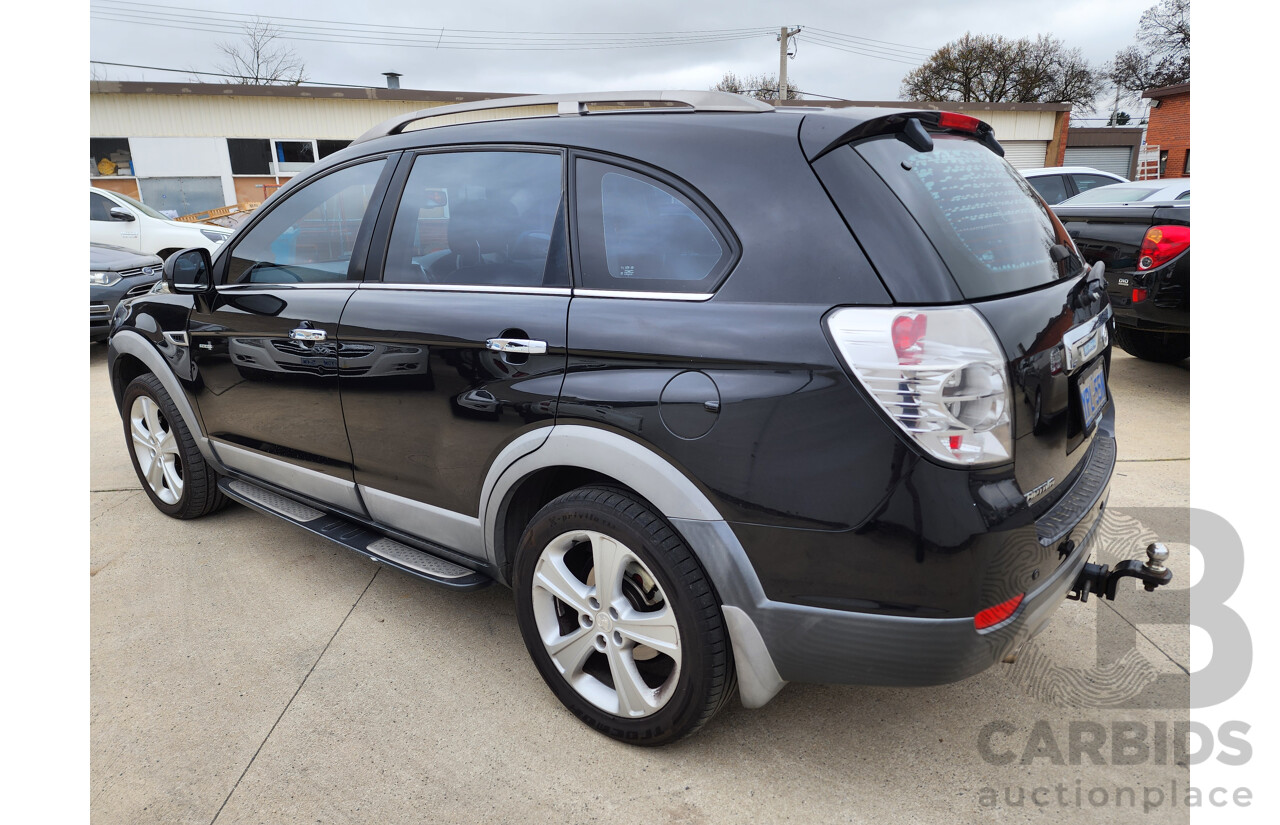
{"x":982,"y":217}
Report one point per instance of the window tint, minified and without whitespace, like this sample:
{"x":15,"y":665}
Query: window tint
{"x":993,"y":234}
{"x":99,"y":207}
{"x":1087,"y":182}
{"x":309,"y":237}
{"x":1051,"y":187}
{"x":640,"y":234}
{"x":480,"y":218}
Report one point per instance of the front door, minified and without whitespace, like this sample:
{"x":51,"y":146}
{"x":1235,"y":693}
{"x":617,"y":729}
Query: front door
{"x":105,"y":228}
{"x":461,"y":347}
{"x":265,"y":342}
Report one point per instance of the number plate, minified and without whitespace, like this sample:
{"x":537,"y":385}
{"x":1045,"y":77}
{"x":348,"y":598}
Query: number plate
{"x":1093,"y":393}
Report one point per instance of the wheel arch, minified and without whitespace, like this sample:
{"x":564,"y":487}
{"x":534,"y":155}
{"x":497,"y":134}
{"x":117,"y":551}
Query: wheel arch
{"x":540,"y":465}
{"x":130,"y":355}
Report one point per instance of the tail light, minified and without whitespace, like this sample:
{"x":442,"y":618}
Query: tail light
{"x":1162,"y":244}
{"x":995,"y":615}
{"x":939,"y":373}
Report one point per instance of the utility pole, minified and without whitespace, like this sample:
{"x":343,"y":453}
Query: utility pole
{"x":783,"y":38}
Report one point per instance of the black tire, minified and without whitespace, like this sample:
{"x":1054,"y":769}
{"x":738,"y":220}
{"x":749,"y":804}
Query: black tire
{"x":693,"y":690}
{"x":195,"y":492}
{"x":1161,"y":347}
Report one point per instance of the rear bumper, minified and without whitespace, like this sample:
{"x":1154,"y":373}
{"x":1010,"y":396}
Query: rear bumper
{"x":777,"y":642}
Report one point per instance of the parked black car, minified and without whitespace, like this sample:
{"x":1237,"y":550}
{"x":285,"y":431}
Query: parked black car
{"x":1141,"y":233}
{"x":116,"y":273}
{"x":725,"y":394}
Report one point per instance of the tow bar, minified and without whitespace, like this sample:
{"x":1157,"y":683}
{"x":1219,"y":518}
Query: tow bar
{"x":1102,"y":580}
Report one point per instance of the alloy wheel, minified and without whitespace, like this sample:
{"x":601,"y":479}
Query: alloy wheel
{"x":606,"y":623}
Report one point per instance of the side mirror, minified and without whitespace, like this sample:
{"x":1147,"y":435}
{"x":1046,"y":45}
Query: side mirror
{"x":119,"y":213}
{"x":189,"y":271}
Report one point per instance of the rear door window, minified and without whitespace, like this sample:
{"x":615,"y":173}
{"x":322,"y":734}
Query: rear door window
{"x":637,"y":233}
{"x":481,"y":218}
{"x":1051,"y":187}
{"x":992,"y":232}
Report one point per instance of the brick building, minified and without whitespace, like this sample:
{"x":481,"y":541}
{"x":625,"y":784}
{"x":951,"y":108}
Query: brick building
{"x":1169,"y":128}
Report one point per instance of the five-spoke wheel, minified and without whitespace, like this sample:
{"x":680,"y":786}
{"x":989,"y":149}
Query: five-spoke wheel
{"x":620,"y":618}
{"x":173,"y":472}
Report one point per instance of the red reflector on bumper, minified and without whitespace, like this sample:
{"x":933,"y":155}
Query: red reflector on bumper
{"x":997,"y":614}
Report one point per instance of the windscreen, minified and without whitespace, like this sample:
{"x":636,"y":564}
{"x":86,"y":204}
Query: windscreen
{"x":1115,"y":194}
{"x":992,"y":231}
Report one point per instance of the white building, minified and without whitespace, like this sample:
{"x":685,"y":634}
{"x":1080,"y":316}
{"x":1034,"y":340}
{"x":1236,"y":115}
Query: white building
{"x":188,"y":147}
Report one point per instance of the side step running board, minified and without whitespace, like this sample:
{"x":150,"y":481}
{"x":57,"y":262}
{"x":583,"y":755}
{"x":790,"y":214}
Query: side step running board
{"x":368,"y":543}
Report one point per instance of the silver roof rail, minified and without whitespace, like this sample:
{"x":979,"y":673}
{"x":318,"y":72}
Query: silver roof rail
{"x":569,"y":105}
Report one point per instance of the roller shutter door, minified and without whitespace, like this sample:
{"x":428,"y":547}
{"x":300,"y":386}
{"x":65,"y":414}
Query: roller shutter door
{"x":1025,"y":154}
{"x":1113,"y":159}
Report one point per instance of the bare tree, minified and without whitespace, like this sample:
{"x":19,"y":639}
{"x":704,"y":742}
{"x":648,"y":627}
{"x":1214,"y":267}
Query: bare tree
{"x":258,"y":59}
{"x":995,"y":69}
{"x":1162,"y":54}
{"x":760,"y":86}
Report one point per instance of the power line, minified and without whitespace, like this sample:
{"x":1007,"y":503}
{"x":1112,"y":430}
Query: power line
{"x":442,"y":38}
{"x":826,"y":45}
{"x":878,"y":51}
{"x":432,"y":29}
{"x":853,"y":37}
{"x":224,"y":74}
{"x":426,"y":43}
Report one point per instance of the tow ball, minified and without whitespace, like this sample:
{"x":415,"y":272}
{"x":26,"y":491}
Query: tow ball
{"x":1102,"y":580}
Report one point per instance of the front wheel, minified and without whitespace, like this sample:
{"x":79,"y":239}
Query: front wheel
{"x":173,"y":473}
{"x":620,"y":618}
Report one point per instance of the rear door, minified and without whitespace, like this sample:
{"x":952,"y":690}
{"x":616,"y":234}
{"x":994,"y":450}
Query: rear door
{"x":265,"y":342}
{"x":456,"y":345}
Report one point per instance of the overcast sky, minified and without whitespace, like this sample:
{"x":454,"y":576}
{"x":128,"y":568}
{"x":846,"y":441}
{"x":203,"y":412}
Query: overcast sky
{"x":898,"y":34}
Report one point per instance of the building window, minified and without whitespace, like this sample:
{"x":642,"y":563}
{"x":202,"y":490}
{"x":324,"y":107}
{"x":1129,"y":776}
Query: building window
{"x":294,"y":155}
{"x":249,"y":156}
{"x":1186,"y":164}
{"x":325,"y":148}
{"x":109,"y":157}
{"x":1164,"y":161}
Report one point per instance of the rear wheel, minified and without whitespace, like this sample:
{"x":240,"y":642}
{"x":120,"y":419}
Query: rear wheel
{"x":620,"y":619}
{"x":174,"y":474}
{"x":1163,"y":347}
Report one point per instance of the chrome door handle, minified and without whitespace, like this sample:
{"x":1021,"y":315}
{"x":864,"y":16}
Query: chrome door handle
{"x":305,"y":334}
{"x":521,"y":346}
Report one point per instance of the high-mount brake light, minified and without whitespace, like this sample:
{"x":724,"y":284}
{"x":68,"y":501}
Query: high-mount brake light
{"x":993,"y":616}
{"x":1162,"y":244}
{"x":957,"y":121}
{"x":938,"y":372}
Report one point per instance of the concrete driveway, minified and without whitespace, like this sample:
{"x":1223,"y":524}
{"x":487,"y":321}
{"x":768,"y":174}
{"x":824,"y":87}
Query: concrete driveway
{"x":245,"y":671}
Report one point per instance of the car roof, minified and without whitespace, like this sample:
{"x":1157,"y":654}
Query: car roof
{"x":1075,"y":170}
{"x":1167,"y":190}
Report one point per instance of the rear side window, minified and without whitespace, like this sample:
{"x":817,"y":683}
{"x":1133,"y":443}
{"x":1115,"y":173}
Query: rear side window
{"x":981,"y":215}
{"x":1051,"y":187}
{"x":639,"y":234}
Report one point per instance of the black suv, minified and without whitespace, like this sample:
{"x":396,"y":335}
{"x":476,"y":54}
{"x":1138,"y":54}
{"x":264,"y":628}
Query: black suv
{"x":727,"y":395}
